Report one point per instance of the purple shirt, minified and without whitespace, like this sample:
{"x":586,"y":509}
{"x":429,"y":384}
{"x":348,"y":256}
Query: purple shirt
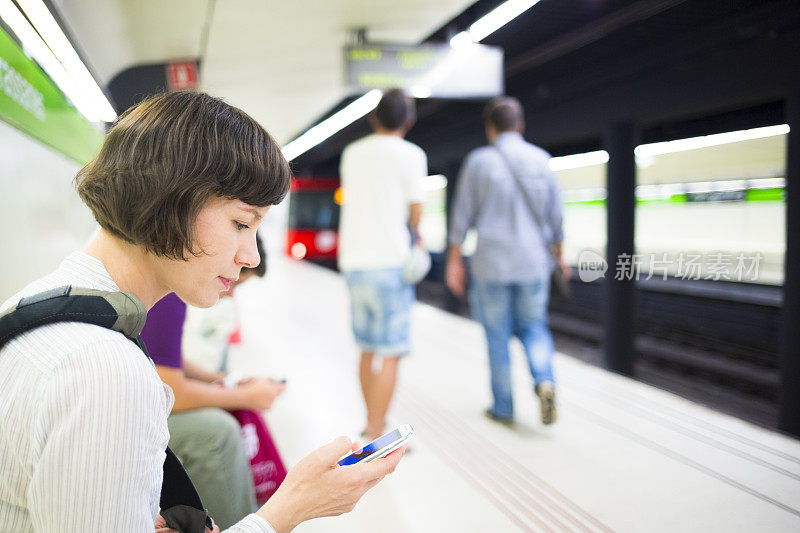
{"x":163,"y":331}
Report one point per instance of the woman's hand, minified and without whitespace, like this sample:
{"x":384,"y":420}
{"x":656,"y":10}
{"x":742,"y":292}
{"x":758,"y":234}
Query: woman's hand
{"x":259,"y":393}
{"x":317,"y":486}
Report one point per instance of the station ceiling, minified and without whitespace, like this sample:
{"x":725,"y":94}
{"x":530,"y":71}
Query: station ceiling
{"x":674,"y":67}
{"x":279,"y":60}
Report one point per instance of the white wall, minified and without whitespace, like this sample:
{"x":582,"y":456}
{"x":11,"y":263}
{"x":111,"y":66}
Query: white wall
{"x":41,"y":217}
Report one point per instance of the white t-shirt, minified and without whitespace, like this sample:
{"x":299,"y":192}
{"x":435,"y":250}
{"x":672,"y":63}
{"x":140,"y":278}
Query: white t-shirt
{"x":381,"y":177}
{"x":206,"y":333}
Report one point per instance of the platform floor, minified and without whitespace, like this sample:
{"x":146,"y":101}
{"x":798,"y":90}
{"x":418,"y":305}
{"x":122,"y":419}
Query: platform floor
{"x":623,"y":457}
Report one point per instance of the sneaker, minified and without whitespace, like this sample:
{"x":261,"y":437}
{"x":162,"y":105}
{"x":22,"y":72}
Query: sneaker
{"x":547,"y":396}
{"x":505,"y":420}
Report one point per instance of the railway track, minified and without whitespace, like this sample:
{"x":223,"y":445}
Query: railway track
{"x":716,"y":343}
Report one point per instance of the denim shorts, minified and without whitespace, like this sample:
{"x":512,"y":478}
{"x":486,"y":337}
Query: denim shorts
{"x":380,"y":303}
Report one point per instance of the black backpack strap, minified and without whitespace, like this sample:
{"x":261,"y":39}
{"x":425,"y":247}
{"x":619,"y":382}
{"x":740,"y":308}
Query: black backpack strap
{"x":180,"y":503}
{"x":181,"y":506}
{"x":120,"y":311}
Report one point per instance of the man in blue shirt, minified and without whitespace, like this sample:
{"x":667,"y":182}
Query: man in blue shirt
{"x":509,"y":195}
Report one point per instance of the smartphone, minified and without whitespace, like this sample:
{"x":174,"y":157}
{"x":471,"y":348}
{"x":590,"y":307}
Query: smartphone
{"x":381,"y":446}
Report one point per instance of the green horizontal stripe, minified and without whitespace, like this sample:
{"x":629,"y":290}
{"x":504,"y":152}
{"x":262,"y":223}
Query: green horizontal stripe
{"x":765,"y":195}
{"x":751,"y":195}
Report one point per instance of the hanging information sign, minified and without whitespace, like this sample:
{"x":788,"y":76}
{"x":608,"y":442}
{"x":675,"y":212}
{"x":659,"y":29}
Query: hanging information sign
{"x":471,"y":71}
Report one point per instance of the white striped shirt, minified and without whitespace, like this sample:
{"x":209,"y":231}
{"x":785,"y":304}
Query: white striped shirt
{"x":83,"y":423}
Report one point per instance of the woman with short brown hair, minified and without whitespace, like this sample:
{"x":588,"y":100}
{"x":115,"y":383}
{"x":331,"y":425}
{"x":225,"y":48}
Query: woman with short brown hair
{"x":179,"y":188}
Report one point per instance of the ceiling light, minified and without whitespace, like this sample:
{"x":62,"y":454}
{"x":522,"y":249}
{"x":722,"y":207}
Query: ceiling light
{"x":53,"y":51}
{"x":499,"y":17}
{"x":331,"y":125}
{"x":33,"y":45}
{"x":587,"y":159}
{"x":645,"y":152}
{"x":491,"y":22}
{"x":693,"y":143}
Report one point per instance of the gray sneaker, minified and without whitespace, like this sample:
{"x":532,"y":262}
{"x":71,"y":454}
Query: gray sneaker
{"x":505,"y":420}
{"x":547,"y":396}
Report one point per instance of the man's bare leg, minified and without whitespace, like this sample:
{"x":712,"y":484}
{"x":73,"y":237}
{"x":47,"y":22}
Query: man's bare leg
{"x":380,"y":393}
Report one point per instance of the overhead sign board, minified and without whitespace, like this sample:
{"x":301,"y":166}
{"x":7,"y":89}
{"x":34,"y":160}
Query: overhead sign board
{"x":31,"y":102}
{"x":472,"y":71}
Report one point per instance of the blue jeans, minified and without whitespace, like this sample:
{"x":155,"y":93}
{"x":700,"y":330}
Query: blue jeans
{"x":518,"y":309}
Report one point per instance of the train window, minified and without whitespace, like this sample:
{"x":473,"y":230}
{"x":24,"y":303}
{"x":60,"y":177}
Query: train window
{"x":313,"y":210}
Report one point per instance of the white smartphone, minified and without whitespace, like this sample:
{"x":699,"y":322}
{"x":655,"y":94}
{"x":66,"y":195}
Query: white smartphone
{"x":381,"y":446}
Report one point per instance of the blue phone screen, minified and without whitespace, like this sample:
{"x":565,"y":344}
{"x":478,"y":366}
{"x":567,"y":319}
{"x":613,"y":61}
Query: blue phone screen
{"x":370,"y":448}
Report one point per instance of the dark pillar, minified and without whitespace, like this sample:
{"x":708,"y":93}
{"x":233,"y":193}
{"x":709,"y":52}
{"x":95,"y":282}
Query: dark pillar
{"x":620,"y":282}
{"x":789,"y":394}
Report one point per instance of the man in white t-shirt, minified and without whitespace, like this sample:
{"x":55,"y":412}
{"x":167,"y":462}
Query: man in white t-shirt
{"x":382,"y":180}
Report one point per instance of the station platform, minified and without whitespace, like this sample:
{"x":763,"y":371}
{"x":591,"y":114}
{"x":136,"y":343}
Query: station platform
{"x":623,"y":457}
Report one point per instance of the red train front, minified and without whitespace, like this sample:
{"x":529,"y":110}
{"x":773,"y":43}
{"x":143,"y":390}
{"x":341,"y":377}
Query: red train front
{"x":313,"y":228}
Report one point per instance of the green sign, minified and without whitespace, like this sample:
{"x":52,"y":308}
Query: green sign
{"x":31,"y":102}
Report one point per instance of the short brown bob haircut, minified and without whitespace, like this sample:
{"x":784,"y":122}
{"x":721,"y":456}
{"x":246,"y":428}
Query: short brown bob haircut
{"x":165,"y":157}
{"x":505,"y":114}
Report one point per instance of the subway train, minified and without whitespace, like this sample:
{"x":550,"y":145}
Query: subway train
{"x":313,"y":219}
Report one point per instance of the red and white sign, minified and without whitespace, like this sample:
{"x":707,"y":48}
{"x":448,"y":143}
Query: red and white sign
{"x":181,"y":76}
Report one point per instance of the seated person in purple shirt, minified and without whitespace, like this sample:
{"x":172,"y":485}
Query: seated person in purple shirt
{"x":203,"y":435}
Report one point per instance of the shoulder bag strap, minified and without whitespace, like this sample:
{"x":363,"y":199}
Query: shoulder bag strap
{"x":534,"y":212}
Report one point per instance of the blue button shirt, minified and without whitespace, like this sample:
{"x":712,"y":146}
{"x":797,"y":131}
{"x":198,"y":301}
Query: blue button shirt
{"x":513,"y":242}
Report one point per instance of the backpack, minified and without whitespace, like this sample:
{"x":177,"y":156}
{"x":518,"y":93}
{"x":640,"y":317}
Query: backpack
{"x":123,"y":312}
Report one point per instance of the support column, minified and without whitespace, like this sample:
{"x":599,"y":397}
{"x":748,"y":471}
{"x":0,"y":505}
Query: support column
{"x":789,"y":393}
{"x":620,"y":310}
